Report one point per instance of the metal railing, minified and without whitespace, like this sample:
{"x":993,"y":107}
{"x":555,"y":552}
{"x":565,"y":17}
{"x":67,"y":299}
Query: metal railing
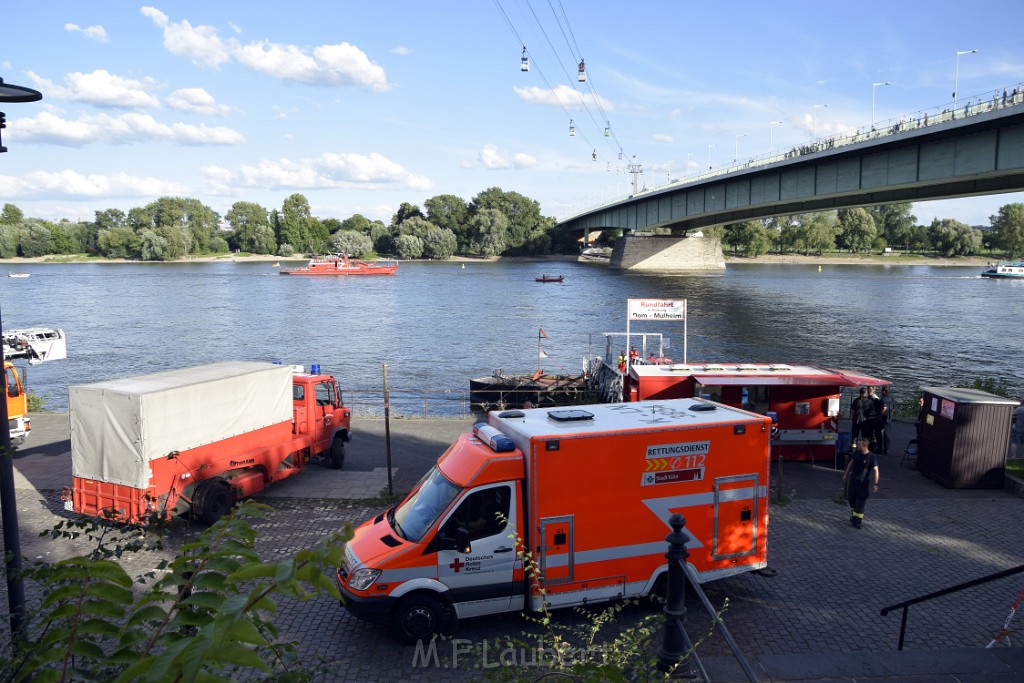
{"x":677,"y":651}
{"x":907,"y":604}
{"x":411,"y":403}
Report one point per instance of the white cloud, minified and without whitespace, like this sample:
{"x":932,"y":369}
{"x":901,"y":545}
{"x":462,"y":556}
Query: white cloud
{"x":401,"y":50}
{"x":491,"y":158}
{"x":562,"y":96}
{"x":47,"y":127}
{"x":100,"y":88}
{"x":329,"y":170}
{"x":68,"y":183}
{"x":201,"y":44}
{"x":325,"y":65}
{"x":96,"y":33}
{"x":328,"y":65}
{"x":661,"y":137}
{"x":196,"y":100}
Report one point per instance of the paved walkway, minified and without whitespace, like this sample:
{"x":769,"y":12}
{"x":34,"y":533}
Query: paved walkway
{"x":817,"y":618}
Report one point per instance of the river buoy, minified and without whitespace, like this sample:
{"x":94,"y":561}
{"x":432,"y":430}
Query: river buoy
{"x":819,"y":269}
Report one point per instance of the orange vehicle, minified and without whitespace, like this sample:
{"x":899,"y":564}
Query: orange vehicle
{"x":584,"y":493}
{"x":17,"y":405}
{"x":198,"y":439}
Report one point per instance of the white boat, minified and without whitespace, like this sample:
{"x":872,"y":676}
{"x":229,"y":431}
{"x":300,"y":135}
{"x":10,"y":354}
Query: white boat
{"x":37,"y":344}
{"x":17,"y":274}
{"x":1009,"y":269}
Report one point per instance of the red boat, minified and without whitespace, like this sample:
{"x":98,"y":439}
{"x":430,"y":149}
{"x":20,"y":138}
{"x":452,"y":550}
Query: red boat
{"x":550,"y":278}
{"x":341,"y":264}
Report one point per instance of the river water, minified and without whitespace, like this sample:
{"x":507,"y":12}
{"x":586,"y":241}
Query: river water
{"x":436,"y":325}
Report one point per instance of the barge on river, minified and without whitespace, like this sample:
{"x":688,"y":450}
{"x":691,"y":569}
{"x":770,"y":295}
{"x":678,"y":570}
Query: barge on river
{"x":341,"y":264}
{"x":1007,"y":269}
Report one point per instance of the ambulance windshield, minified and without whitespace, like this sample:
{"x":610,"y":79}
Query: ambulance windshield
{"x":417,"y":513}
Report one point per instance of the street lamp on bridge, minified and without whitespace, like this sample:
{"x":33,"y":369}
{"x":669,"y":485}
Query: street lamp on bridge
{"x":709,"y":156}
{"x":873,"y":86}
{"x":814,"y":120}
{"x":956,"y":74}
{"x":736,"y":151}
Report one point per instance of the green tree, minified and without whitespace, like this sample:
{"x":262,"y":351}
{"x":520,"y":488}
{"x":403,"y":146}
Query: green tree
{"x":408,"y":247}
{"x":405,"y":211}
{"x":953,"y":238}
{"x":439,"y":243}
{"x":383,"y":240}
{"x":856,"y":228}
{"x":417,"y":226}
{"x":81,"y":237}
{"x":35,"y":239}
{"x":350,"y":242}
{"x":11,"y":215}
{"x":488,"y":228}
{"x":10,"y":235}
{"x":295,"y":215}
{"x":1008,"y":225}
{"x":251,"y":224}
{"x":178,"y":242}
{"x":152,"y":246}
{"x":356,"y":222}
{"x":894,"y":223}
{"x":450,"y":212}
{"x":118,"y":243}
{"x":111,"y":218}
{"x":60,"y":241}
{"x":522,"y":214}
{"x":819,"y":231}
{"x":750,"y":236}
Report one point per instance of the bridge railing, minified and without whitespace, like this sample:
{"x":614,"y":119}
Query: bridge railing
{"x":972,"y":106}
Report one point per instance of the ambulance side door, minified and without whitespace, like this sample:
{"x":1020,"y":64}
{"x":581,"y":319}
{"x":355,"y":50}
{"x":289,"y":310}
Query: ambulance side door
{"x":481,"y":581}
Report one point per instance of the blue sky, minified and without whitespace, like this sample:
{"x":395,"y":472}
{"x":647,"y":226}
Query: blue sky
{"x":363,"y":106}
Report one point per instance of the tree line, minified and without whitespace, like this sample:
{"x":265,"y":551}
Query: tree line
{"x":871,"y":230}
{"x":494,"y":222}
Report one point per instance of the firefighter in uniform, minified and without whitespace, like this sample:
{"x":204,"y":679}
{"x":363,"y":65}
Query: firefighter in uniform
{"x":862,"y":468}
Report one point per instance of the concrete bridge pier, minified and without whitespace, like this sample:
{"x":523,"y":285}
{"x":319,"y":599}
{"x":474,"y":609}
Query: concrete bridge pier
{"x":667,"y":254}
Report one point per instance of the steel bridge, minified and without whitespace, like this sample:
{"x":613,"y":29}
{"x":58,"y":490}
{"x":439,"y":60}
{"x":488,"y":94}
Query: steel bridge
{"x":975,"y":149}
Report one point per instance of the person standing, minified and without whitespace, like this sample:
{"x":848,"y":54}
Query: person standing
{"x":857,"y":417}
{"x":873,"y":420}
{"x":888,"y":405}
{"x":862,"y":468}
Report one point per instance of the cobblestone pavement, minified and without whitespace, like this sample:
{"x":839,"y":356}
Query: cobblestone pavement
{"x":817,"y":617}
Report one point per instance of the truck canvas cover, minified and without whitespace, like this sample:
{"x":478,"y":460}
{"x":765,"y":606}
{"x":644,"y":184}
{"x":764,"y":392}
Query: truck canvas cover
{"x":118,"y":426}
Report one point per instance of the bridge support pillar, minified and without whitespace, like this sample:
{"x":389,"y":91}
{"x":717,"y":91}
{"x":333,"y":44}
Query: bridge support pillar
{"x":666,"y":254}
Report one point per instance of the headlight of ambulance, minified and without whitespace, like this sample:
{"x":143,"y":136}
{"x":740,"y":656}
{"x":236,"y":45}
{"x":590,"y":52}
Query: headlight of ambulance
{"x":363,"y":578}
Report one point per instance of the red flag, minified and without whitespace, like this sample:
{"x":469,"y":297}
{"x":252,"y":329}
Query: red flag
{"x":543,"y":333}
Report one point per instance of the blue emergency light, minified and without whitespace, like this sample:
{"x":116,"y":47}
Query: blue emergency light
{"x":498,"y":442}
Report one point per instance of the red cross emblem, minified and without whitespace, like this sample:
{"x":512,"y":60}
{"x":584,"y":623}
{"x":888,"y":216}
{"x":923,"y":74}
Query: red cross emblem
{"x":457,"y":565}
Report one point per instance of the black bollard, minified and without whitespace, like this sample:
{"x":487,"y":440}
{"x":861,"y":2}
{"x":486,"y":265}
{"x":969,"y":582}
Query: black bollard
{"x":674,"y":643}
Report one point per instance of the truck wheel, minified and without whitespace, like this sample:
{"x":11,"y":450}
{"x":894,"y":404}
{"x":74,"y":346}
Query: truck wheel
{"x":416,"y":618}
{"x":212,"y":501}
{"x":337,"y":453}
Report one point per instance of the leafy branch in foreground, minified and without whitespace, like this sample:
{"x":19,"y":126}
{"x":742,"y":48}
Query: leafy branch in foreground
{"x":208,"y":617}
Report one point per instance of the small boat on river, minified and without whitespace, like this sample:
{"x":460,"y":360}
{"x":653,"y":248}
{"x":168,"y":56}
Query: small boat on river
{"x":550,"y":278}
{"x":1007,"y":269}
{"x":17,"y":274}
{"x":341,"y":264}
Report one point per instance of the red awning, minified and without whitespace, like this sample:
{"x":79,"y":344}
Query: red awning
{"x":838,"y":378}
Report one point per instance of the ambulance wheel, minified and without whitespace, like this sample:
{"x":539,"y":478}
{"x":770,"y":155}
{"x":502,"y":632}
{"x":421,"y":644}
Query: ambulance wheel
{"x":416,"y":618}
{"x":337,"y":453}
{"x":212,"y":500}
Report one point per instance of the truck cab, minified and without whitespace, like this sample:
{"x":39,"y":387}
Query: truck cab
{"x":320,"y":413}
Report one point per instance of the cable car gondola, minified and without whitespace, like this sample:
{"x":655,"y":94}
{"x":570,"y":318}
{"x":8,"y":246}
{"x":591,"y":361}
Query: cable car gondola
{"x":524,"y":63}
{"x":572,"y":129}
{"x":582,"y":77}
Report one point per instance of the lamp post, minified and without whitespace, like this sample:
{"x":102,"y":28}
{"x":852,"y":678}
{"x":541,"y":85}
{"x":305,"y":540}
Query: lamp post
{"x":814,"y":119}
{"x":771,"y":124}
{"x":873,"y":86}
{"x":736,"y":151}
{"x":709,"y":156}
{"x":688,"y":155}
{"x":8,"y":498}
{"x":956,"y":74}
